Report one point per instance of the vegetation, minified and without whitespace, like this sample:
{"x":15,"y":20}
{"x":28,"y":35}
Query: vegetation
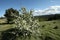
{"x":26,"y":27}
{"x":8,"y":14}
{"x":48,"y":17}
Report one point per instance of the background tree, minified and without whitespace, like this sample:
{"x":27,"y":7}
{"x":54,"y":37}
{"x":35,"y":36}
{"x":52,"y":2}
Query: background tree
{"x":9,"y":16}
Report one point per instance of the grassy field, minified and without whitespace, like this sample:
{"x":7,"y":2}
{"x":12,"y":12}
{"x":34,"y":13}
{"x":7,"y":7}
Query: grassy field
{"x":49,"y":28}
{"x":4,"y":26}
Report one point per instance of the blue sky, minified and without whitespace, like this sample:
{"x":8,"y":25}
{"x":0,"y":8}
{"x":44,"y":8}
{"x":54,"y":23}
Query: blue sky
{"x":29,"y":4}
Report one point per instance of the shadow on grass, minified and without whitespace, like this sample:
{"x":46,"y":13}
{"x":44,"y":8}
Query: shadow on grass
{"x":5,"y":23}
{"x":12,"y":34}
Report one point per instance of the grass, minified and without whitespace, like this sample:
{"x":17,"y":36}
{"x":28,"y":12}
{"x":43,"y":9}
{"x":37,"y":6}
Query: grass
{"x":49,"y":28}
{"x":5,"y":27}
{"x":2,"y":20}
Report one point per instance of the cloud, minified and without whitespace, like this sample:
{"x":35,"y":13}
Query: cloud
{"x":47,"y":11}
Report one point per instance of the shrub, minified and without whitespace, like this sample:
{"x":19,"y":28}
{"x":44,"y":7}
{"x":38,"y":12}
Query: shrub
{"x":8,"y":14}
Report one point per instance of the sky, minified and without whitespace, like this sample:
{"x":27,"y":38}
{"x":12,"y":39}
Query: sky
{"x":29,"y":4}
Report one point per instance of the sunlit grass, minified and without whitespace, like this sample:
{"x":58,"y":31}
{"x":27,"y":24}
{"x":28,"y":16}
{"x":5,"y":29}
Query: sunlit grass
{"x":48,"y":29}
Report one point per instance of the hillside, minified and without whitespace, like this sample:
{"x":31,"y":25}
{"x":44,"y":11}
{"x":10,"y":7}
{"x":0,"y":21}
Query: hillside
{"x":49,"y":29}
{"x":48,"y":17}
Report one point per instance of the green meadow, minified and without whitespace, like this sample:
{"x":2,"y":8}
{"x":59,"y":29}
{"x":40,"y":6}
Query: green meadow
{"x":47,"y":28}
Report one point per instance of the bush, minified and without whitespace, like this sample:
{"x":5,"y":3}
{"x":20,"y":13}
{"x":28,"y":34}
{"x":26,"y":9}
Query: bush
{"x":9,"y":14}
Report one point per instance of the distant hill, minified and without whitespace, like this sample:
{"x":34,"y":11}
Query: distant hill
{"x":2,"y":18}
{"x":48,"y":17}
{"x":44,"y":17}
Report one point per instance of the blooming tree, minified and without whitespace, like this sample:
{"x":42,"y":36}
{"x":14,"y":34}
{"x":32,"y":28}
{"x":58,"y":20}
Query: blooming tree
{"x":26,"y":21}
